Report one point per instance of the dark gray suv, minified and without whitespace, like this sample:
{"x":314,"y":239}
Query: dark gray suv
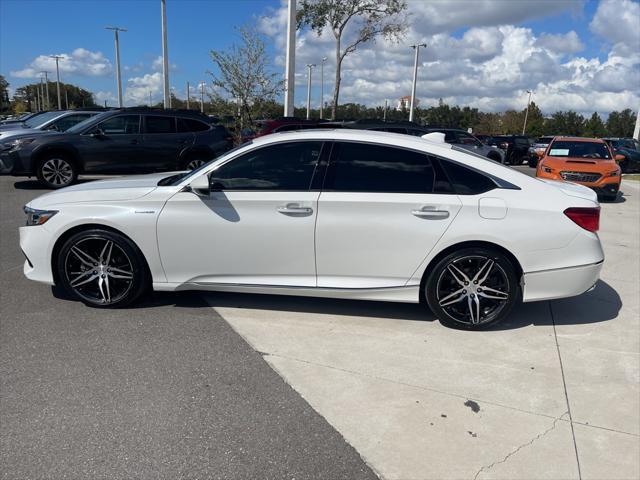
{"x":129,"y":140}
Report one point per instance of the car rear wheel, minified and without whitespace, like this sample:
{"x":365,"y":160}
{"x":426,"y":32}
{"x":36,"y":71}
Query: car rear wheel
{"x":472,"y":288}
{"x":57,"y":171}
{"x":102,"y":269}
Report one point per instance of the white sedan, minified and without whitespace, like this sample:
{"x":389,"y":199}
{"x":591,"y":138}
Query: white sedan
{"x":327,"y":213}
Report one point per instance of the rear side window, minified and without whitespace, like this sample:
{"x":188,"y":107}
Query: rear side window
{"x":359,"y":167}
{"x":466,"y":181}
{"x":160,"y":124}
{"x":120,"y":125}
{"x":186,"y":125}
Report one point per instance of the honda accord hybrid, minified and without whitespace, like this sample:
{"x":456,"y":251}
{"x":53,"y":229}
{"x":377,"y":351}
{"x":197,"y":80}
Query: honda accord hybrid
{"x":327,"y":213}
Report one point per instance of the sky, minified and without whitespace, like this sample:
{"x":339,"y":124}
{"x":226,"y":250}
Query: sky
{"x":581,"y":55}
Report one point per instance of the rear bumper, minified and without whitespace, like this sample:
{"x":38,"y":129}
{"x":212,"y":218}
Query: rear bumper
{"x":560,"y":283}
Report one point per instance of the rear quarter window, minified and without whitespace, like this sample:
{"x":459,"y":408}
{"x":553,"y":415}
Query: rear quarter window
{"x":466,"y":181}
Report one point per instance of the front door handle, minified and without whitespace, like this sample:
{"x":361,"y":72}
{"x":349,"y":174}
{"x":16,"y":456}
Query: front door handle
{"x":295,"y":209}
{"x":431,"y":213}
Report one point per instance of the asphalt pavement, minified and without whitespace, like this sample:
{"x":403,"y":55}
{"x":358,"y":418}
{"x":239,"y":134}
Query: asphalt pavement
{"x":163,"y":390}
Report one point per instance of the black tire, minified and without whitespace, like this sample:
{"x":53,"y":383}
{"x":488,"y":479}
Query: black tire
{"x":105,"y":277}
{"x":57,"y":171}
{"x":466,"y":299}
{"x":193,"y":161}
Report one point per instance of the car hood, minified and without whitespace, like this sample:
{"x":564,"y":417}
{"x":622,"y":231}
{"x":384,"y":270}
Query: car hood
{"x":12,"y":126}
{"x":20,"y":133}
{"x":573,"y":189}
{"x":580,"y":164}
{"x":112,"y":190}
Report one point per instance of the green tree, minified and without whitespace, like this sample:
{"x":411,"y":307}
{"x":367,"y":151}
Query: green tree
{"x":594,"y":127}
{"x":4,"y":94}
{"x":374,"y":18}
{"x":621,"y":124}
{"x":535,"y":121}
{"x":75,"y":96}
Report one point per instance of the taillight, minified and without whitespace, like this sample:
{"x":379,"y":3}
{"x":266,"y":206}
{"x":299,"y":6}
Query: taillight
{"x":587,"y":218}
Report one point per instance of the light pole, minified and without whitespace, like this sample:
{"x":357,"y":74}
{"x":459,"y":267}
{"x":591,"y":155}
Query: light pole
{"x":202,"y":97}
{"x":46,"y":82}
{"x":636,"y":130}
{"x":415,"y":78}
{"x":41,"y":92}
{"x":150,"y":102}
{"x":384,"y":114}
{"x":526,"y":113}
{"x":58,"y":57}
{"x":165,"y":55}
{"x":309,"y":67}
{"x":290,"y":70}
{"x":188,"y":95}
{"x":115,"y":32}
{"x":324,"y":59}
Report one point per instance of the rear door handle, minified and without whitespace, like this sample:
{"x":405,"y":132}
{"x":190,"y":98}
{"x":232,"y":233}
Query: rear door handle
{"x":295,"y":209}
{"x":431,"y":213}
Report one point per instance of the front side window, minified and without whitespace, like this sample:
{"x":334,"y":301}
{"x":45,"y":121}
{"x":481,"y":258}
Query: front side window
{"x":283,"y":167}
{"x":591,"y":150}
{"x":158,"y":124}
{"x":375,"y":168}
{"x":120,"y":125}
{"x":186,"y":125}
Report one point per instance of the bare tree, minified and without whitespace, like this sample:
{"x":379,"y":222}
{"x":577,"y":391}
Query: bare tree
{"x":243,"y":73}
{"x":373,"y":18}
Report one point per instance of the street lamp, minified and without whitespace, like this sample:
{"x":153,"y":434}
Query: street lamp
{"x":119,"y":80}
{"x":526,"y":113}
{"x":415,"y":78}
{"x":57,"y":58}
{"x":309,"y":67}
{"x":46,"y":81}
{"x":165,"y":55}
{"x":324,"y":59}
{"x":290,"y":69}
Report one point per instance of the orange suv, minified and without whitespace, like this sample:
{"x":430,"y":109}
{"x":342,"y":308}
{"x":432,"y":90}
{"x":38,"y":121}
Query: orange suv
{"x":587,"y":161}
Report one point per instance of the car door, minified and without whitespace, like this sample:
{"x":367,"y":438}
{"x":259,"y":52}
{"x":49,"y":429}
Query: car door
{"x":382,"y":209}
{"x":163,"y":144}
{"x":255,"y":228}
{"x":113,"y":145}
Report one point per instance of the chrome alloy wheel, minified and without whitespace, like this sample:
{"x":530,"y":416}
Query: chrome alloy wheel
{"x":473,"y":289}
{"x":98,"y":270}
{"x":195,"y":163}
{"x":57,"y":171}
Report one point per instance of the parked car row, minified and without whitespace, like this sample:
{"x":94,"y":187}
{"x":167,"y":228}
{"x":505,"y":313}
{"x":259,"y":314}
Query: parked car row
{"x":116,"y":141}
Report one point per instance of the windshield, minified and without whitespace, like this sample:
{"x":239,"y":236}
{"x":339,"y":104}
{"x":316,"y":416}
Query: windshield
{"x":38,"y":120}
{"x":176,"y":179}
{"x":579,"y":150}
{"x":78,"y":127}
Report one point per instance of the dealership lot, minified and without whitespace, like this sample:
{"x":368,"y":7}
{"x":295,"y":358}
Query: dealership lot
{"x":170,"y":388}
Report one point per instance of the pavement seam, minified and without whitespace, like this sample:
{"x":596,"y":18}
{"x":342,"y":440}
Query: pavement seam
{"x":566,"y":395}
{"x":456,"y":395}
{"x":513,"y":452}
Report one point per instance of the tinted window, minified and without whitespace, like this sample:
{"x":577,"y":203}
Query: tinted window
{"x":287,"y":128}
{"x":120,"y":125}
{"x":467,"y":139}
{"x":579,"y":149}
{"x":466,"y":181}
{"x":287,"y":166}
{"x":190,"y":125}
{"x":374,"y":168}
{"x":397,"y":130}
{"x":160,"y":124}
{"x":69,"y":121}
{"x":450,"y":137}
{"x":417,"y":133}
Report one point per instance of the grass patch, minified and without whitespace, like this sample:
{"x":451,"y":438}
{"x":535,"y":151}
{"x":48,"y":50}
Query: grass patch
{"x":635,"y":177}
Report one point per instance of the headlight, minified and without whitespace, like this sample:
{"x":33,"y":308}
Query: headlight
{"x":19,"y":143}
{"x":615,"y":173}
{"x":38,"y":217}
{"x":547,"y":169}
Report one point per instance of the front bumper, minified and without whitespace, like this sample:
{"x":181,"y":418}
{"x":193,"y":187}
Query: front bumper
{"x":13,"y":163}
{"x":34,"y":242}
{"x":604,"y":186}
{"x":560,"y":283}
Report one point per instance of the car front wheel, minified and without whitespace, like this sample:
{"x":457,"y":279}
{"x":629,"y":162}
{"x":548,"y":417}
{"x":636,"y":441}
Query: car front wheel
{"x":57,"y":171}
{"x":472,"y":288}
{"x":102,"y":268}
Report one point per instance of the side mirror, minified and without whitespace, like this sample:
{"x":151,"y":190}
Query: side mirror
{"x":97,"y":133}
{"x":200,"y":185}
{"x":619,"y":157}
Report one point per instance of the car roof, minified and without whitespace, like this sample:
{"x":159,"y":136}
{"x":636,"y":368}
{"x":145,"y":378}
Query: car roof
{"x":579,"y":139}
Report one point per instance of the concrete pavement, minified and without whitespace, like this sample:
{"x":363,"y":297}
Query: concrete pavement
{"x":552,"y":394}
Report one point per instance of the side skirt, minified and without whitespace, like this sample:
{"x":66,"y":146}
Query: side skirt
{"x":405,"y":294}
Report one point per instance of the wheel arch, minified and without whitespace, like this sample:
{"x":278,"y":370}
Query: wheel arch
{"x":467,"y":244}
{"x":64,"y":236}
{"x":39,"y":155}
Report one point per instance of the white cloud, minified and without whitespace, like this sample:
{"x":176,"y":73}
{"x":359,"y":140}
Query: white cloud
{"x":618,"y":21}
{"x":567,"y":43}
{"x":489,"y":64}
{"x":138,"y":88}
{"x":79,"y":62}
{"x":101,"y":96}
{"x":156,"y":65}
